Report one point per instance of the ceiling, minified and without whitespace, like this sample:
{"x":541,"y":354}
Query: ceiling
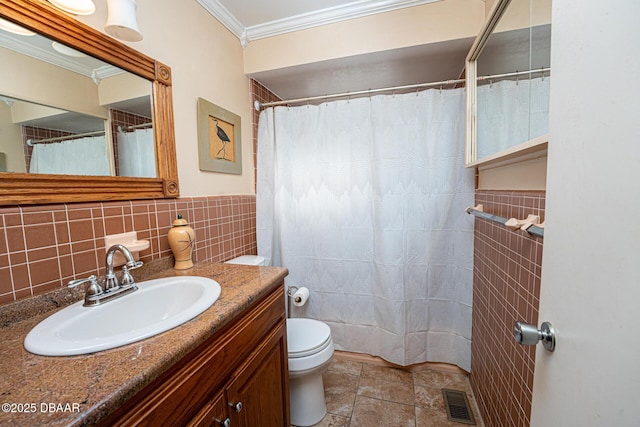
{"x":254,"y":19}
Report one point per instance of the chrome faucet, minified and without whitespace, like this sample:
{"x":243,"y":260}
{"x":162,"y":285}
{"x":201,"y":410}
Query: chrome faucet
{"x":97,"y":294}
{"x":111,"y":281}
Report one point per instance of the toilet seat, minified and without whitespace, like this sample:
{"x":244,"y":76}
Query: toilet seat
{"x":306,"y":337}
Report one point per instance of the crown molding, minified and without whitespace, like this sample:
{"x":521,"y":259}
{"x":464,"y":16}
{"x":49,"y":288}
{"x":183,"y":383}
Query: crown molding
{"x":356,"y":9}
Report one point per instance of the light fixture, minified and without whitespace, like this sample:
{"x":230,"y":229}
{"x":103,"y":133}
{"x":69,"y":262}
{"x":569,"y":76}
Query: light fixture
{"x":76,"y":7}
{"x":121,"y":20}
{"x":15,"y":28}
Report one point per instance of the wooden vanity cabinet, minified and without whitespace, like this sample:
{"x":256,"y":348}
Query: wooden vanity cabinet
{"x":238,"y":377}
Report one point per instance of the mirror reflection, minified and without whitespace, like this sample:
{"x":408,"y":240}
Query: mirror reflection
{"x":513,"y":102}
{"x":63,"y":112}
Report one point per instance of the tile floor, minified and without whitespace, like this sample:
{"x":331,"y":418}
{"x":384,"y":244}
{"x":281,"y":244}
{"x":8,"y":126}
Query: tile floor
{"x":365,"y":395}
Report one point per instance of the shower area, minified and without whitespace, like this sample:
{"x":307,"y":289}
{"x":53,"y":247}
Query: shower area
{"x":377,"y":232}
{"x":363,"y":201}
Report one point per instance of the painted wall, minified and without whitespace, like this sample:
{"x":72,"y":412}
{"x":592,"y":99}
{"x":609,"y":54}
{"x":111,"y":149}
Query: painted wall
{"x":530,"y":174}
{"x":206,"y":61}
{"x":14,"y":154}
{"x":430,"y":23}
{"x":123,"y":87}
{"x":54,"y":85}
{"x":488,"y":4}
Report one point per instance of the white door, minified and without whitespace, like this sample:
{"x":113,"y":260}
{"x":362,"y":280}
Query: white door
{"x":590,"y":288}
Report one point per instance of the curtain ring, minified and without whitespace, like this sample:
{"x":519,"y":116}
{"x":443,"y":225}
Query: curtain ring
{"x":517,"y":76}
{"x":542,"y":70}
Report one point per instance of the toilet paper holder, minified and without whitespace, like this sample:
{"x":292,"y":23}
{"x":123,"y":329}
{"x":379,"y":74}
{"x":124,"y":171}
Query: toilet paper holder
{"x":298,"y":295}
{"x":290,"y":291}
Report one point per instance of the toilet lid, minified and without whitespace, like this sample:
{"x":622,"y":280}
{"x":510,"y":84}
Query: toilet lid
{"x":307,"y":336}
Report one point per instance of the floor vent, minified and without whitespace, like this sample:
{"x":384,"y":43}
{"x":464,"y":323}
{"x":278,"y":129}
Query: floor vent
{"x":457,"y":405}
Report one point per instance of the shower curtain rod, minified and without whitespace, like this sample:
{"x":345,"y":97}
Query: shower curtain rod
{"x":258,"y":105}
{"x":31,"y":142}
{"x":141,"y":125}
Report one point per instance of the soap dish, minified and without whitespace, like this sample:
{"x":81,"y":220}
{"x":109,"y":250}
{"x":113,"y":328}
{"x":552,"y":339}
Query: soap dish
{"x":128,"y":240}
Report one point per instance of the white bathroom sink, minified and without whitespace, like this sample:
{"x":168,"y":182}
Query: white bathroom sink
{"x":157,"y":306}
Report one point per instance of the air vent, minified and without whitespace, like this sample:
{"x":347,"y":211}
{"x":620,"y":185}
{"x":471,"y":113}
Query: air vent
{"x":457,"y":405}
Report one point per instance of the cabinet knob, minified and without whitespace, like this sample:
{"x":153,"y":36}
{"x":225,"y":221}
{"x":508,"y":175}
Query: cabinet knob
{"x":237,"y":407}
{"x":225,"y":423}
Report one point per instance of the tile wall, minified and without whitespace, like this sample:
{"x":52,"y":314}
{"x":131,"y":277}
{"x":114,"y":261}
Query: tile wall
{"x":43,"y":247}
{"x":506,"y":288}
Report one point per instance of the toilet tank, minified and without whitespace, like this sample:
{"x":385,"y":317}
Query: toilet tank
{"x":248,"y":260}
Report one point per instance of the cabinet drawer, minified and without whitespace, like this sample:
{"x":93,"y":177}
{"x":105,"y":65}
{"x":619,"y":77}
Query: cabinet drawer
{"x":214,"y":414}
{"x":179,"y":394}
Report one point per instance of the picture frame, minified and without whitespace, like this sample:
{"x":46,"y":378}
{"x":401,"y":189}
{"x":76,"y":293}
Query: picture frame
{"x":219,"y":139}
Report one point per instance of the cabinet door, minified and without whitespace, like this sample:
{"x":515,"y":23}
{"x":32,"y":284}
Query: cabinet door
{"x":213,"y":414}
{"x":258,"y":394}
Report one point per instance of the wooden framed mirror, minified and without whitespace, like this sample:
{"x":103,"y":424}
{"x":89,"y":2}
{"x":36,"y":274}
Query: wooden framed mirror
{"x":25,"y":188}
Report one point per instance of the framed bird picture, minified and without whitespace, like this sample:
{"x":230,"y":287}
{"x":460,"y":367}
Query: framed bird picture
{"x":219,"y":142}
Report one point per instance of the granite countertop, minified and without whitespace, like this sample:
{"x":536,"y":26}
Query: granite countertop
{"x":82,"y":390}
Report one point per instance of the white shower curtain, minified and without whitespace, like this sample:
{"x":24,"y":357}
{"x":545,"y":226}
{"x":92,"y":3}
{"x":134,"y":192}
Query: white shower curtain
{"x":136,"y":154}
{"x":363,"y":201}
{"x":81,"y":156}
{"x":510,"y":111}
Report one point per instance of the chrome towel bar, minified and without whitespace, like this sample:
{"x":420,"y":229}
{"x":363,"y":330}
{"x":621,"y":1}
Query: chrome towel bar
{"x":531,"y":224}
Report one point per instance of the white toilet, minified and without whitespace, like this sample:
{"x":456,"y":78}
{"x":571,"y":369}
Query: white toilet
{"x":310,"y":349}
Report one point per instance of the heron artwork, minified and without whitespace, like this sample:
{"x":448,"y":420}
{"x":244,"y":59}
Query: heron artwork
{"x":224,"y":138}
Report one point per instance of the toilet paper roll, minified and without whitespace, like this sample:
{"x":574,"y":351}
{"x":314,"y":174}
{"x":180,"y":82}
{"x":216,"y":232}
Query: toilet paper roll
{"x":300,"y":297}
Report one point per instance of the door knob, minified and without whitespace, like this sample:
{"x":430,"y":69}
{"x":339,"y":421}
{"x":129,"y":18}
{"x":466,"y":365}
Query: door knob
{"x":527,"y":334}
